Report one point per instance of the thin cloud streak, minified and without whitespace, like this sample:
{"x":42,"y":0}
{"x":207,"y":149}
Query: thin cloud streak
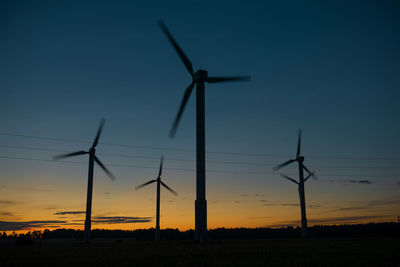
{"x":7,"y":202}
{"x":370,"y":205}
{"x":28,"y":225}
{"x":121,"y":219}
{"x":31,"y":225}
{"x":69,"y":212}
{"x":359,"y":181}
{"x":331,"y":220}
{"x":34,"y":189}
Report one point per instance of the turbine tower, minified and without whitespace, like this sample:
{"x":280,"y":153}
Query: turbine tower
{"x":92,"y":158}
{"x":159,"y":182}
{"x":300,"y":183}
{"x":199,"y":78}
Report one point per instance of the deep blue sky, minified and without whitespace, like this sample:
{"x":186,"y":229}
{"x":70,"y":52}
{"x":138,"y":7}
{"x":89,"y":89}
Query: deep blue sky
{"x":329,"y":67}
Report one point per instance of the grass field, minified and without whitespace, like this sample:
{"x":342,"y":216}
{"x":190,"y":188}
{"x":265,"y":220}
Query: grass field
{"x":274,"y":252}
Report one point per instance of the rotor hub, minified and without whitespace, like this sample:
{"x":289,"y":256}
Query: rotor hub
{"x":300,"y":158}
{"x":200,"y":75}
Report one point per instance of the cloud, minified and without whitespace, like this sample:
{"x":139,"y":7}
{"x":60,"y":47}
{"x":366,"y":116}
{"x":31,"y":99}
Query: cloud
{"x":69,"y":212}
{"x":264,"y":200}
{"x":34,"y":189}
{"x":259,"y":217}
{"x":371,"y":204}
{"x":121,"y":219}
{"x":345,"y":219}
{"x":354,"y":208}
{"x":359,"y":181}
{"x":31,"y":225}
{"x":7,"y":203}
{"x":290,"y":204}
{"x":6,"y":213}
{"x":107,"y":193}
{"x":384,"y":202}
{"x":244,"y":195}
{"x":28,"y":225}
{"x":331,"y":220}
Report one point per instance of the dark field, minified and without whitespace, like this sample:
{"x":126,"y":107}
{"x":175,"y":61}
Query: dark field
{"x":273,"y":252}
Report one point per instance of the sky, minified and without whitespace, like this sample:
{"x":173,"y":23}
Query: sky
{"x":327,"y":67}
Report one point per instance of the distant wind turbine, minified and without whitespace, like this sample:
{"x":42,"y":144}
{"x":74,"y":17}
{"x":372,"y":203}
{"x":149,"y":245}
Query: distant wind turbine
{"x":198,"y":78}
{"x":300,"y":183}
{"x":158,"y":180}
{"x":92,"y":159}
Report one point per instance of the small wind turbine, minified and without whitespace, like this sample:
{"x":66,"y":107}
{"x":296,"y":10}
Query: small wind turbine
{"x":158,"y":180}
{"x":92,"y":159}
{"x":300,"y":183}
{"x":198,"y":78}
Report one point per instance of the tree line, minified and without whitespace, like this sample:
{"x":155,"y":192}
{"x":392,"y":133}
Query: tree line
{"x":317,"y":231}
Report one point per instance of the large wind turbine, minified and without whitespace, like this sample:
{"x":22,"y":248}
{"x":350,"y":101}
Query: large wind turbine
{"x":158,"y":180}
{"x":198,"y":78}
{"x":300,"y":183}
{"x":92,"y":159}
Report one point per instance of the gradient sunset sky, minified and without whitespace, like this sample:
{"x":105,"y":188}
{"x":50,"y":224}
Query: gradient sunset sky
{"x":328,"y":67}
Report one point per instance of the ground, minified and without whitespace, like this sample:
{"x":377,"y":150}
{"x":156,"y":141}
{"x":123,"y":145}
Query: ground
{"x":272,"y":252}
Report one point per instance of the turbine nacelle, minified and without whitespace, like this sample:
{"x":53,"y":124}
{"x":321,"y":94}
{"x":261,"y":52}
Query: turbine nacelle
{"x":299,"y":159}
{"x":200,"y":75}
{"x":158,"y":180}
{"x":91,"y":152}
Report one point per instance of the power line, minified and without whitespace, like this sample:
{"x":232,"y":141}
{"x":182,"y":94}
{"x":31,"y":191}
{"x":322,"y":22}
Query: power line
{"x":189,"y":160}
{"x":192,"y":150}
{"x":191,"y":170}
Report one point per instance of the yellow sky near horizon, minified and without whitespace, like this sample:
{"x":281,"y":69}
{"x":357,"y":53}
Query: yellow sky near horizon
{"x":229,"y":205}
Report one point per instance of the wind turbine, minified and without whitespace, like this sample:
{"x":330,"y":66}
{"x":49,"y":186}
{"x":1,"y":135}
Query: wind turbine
{"x":92,"y":159}
{"x":198,"y":78}
{"x":158,"y":180}
{"x":300,"y":183}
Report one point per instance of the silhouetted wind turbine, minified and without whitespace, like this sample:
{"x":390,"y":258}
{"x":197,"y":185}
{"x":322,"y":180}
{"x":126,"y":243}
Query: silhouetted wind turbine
{"x":198,"y":78}
{"x":158,"y":180}
{"x":92,"y":159}
{"x":300,"y":183}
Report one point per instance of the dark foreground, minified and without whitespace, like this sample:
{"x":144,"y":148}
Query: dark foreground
{"x":273,"y":252}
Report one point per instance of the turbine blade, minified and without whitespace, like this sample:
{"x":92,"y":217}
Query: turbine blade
{"x":227,"y":79}
{"x":109,"y":174}
{"x":185,"y":99}
{"x":283,"y":164}
{"x":298,"y":144}
{"x":290,"y":179}
{"x":142,"y":185}
{"x":182,"y":55}
{"x":310,"y":174}
{"x":96,"y":140}
{"x":161,"y":165}
{"x":70,"y":155}
{"x":166,"y":186}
